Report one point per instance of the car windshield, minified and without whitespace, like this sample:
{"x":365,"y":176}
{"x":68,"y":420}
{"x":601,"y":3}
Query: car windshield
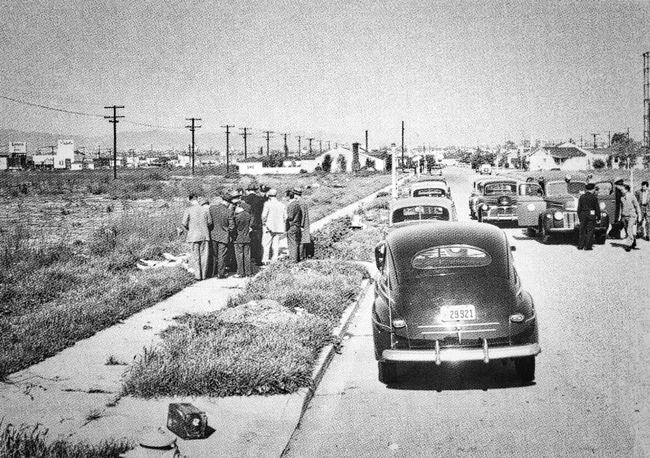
{"x":432,"y":192}
{"x":492,"y":189}
{"x":420,"y":212}
{"x":450,"y":256}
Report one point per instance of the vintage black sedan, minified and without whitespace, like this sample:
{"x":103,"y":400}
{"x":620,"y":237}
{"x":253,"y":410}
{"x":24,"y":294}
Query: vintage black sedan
{"x":554,"y":210}
{"x":447,"y":293}
{"x":419,"y":210}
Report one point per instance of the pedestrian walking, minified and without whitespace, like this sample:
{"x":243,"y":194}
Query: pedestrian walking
{"x":240,"y":227}
{"x":643,"y":198}
{"x":256,"y":203}
{"x":274,"y":215}
{"x":630,"y":216}
{"x":197,"y":221}
{"x":220,"y":213}
{"x":293,"y":224}
{"x":306,"y":245}
{"x":588,"y":214}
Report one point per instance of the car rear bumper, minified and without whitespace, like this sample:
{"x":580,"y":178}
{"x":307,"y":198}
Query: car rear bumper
{"x":439,"y":355}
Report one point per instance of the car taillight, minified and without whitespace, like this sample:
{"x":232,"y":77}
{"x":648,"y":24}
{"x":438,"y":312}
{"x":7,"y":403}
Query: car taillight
{"x":602,"y":205}
{"x":517,"y":317}
{"x":531,"y":207}
{"x":558,"y":216}
{"x":398,"y":323}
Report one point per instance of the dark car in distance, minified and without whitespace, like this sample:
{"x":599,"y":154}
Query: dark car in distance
{"x":447,"y":293}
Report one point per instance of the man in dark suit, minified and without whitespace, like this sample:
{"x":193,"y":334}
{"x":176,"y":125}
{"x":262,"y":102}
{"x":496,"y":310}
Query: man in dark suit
{"x":220,"y":213}
{"x":588,"y":213}
{"x":256,"y":203}
{"x":240,"y":229}
{"x":293,"y":226}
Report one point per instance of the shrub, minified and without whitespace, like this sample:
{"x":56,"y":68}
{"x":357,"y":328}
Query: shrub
{"x":325,"y":238}
{"x":327,"y":163}
{"x":599,"y":164}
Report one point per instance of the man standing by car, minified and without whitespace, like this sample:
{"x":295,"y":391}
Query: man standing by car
{"x":643,"y":198}
{"x":293,"y":224}
{"x":256,"y":203}
{"x":630,"y":215}
{"x":588,"y":213}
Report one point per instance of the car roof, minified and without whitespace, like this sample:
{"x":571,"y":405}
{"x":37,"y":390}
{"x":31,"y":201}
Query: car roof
{"x":411,"y":201}
{"x":429,"y":184}
{"x":406,"y":241}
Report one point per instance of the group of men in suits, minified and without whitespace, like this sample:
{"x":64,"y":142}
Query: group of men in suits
{"x":237,"y":230}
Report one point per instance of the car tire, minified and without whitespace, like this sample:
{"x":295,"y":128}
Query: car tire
{"x":531,"y":232}
{"x":601,"y":238}
{"x":545,"y":237}
{"x":525,"y":368}
{"x":387,"y":372}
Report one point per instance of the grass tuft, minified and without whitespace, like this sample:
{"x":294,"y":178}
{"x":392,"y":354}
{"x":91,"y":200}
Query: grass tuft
{"x":31,"y":441}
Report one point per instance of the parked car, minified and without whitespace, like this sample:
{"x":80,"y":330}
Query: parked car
{"x":436,"y":169}
{"x":449,"y":293}
{"x":418,"y":210}
{"x":553,"y":210}
{"x":494,"y":200}
{"x":485,"y":169}
{"x":430,"y":188}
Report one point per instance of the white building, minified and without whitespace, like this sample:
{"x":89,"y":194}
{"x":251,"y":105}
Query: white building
{"x":64,"y":154}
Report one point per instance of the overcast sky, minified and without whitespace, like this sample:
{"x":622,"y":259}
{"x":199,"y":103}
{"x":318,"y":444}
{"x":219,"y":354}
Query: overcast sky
{"x":457,"y":72}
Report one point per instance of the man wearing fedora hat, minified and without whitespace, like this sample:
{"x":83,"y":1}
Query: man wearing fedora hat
{"x":306,"y":250}
{"x":197,"y":221}
{"x":273,"y":218}
{"x":256,"y":203}
{"x":293,"y":226}
{"x":588,"y":214}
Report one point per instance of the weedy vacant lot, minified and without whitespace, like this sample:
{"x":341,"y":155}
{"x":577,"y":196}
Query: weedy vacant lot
{"x":57,"y":288}
{"x":265,"y":342}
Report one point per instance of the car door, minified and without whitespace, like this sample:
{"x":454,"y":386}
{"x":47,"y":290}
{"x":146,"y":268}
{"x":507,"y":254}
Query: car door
{"x":530,"y":203}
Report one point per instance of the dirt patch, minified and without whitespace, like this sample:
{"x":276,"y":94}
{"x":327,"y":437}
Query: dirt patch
{"x":260,"y":313}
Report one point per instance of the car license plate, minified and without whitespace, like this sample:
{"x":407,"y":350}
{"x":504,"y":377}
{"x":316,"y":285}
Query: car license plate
{"x":458,"y":312}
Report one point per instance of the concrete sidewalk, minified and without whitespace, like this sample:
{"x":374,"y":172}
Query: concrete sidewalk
{"x":75,"y":394}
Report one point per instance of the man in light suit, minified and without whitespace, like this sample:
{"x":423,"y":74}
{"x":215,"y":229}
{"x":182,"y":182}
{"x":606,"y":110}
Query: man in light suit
{"x":197,"y":221}
{"x":273,"y":217}
{"x":643,"y":197}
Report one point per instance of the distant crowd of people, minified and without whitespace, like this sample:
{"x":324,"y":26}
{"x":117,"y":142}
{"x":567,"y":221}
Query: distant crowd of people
{"x":238,"y":229}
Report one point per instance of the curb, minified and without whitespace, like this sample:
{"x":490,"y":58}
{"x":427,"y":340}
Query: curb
{"x":327,"y":353}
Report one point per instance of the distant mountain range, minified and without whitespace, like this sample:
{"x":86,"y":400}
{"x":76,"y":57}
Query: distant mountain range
{"x":155,"y":140}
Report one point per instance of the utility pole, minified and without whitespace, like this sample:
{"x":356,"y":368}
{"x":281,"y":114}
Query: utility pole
{"x":245,"y":134}
{"x":299,"y":146}
{"x":268,"y":136}
{"x":286,"y":148}
{"x":192,"y":128}
{"x":227,"y":127}
{"x":595,"y":135}
{"x":320,"y":147}
{"x":113,"y":120}
{"x":609,"y":138}
{"x":402,"y":145}
{"x":328,"y":145}
{"x":310,"y":139}
{"x":367,"y":141}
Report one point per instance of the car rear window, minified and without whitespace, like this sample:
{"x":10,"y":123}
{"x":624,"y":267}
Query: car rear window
{"x":420,"y":212}
{"x":450,"y":256}
{"x":429,"y":192}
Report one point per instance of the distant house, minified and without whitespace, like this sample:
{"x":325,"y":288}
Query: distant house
{"x":563,"y":157}
{"x":364,"y":157}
